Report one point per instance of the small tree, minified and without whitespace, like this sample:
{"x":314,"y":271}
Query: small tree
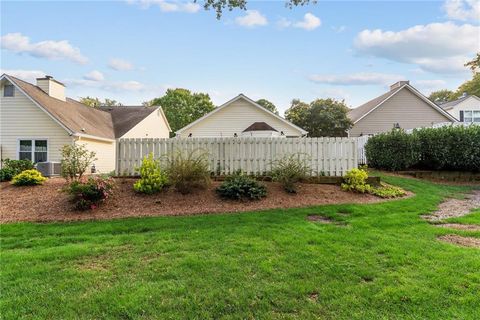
{"x":75,"y":161}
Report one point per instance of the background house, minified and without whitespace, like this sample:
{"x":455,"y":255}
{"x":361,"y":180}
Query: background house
{"x":36,"y":121}
{"x":466,"y":109}
{"x":403,"y":107}
{"x":239,"y":117}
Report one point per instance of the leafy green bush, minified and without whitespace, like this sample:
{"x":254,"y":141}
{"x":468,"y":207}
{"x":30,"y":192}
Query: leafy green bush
{"x":90,"y":193}
{"x":6,"y":174}
{"x":290,"y":170}
{"x":356,"y":181}
{"x":75,"y":161}
{"x":13,"y":167}
{"x":241,"y":187}
{"x":386,"y":191}
{"x":153,"y":179}
{"x":188,"y":171}
{"x":28,"y":178}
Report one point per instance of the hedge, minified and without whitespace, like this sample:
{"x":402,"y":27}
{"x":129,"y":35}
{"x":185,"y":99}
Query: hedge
{"x":444,"y":148}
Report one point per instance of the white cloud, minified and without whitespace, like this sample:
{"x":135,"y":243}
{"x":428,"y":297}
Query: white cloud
{"x":115,"y":86}
{"x":430,"y":85}
{"x":463,"y":9}
{"x":49,"y":49}
{"x":435,"y":47}
{"x":94,"y":75}
{"x":363,"y":78}
{"x":309,"y":22}
{"x":168,"y":6}
{"x":251,"y":19}
{"x":26,"y":75}
{"x":120,"y":65}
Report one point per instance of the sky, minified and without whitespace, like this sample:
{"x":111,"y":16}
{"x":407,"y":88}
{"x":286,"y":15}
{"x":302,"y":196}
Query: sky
{"x":133,"y":51}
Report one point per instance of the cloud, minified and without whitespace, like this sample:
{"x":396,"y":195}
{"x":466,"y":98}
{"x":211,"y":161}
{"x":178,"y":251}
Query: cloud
{"x":430,"y":85}
{"x":26,"y":75}
{"x":463,"y":10}
{"x":435,"y":47}
{"x":251,"y":19}
{"x":94,"y":75}
{"x":49,"y":49}
{"x":120,"y":64}
{"x":358,"y":79}
{"x":115,"y":86}
{"x":168,"y":6}
{"x":309,"y":22}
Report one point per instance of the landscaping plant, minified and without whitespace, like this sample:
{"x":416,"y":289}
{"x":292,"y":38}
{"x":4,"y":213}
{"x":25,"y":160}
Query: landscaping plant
{"x":13,"y":167}
{"x":241,"y":187}
{"x":30,"y":177}
{"x":387,"y":191}
{"x":76,"y":159}
{"x":90,"y":193}
{"x":188,"y":171}
{"x":153,"y":179}
{"x":356,"y":181}
{"x":290,"y":170}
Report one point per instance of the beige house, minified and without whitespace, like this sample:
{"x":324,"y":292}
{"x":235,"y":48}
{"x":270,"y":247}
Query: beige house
{"x":240,"y":117}
{"x":36,"y":121}
{"x":466,"y":109}
{"x":401,"y":107}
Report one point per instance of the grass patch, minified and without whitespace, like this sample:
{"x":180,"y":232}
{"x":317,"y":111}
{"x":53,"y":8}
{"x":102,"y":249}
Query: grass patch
{"x":385,"y":263}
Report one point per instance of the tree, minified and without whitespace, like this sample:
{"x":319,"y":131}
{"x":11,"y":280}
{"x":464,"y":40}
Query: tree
{"x":441,"y":96}
{"x":321,"y":118}
{"x":96,"y":103}
{"x":182,"y":107}
{"x":470,"y":87}
{"x":474,"y":64}
{"x":220,"y":5}
{"x":268,"y":105}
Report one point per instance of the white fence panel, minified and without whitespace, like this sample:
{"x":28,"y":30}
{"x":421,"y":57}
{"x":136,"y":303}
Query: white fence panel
{"x":326,"y":156}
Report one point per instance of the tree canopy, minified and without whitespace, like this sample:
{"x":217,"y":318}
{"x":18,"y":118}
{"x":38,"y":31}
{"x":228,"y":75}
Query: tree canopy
{"x":95,"y":102}
{"x":321,"y":117}
{"x":221,"y":5}
{"x":268,"y":105}
{"x":474,"y":64}
{"x":182,"y":107}
{"x":441,"y":96}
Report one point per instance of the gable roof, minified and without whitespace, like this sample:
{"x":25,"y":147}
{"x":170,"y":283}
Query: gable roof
{"x":242,"y":96}
{"x":362,"y":111}
{"x":449,"y":105}
{"x":260,"y":126}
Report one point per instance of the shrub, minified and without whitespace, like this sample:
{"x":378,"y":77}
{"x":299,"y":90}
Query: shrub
{"x":289,"y":170}
{"x":153,"y":179}
{"x":75,"y":161}
{"x":386,"y":191}
{"x":356,"y":180}
{"x":13,"y":167}
{"x":241,"y":187}
{"x":188,"y":171}
{"x":28,"y":178}
{"x":90,"y":193}
{"x":6,"y":174}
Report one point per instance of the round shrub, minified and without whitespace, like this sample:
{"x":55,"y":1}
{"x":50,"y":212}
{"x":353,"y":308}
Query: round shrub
{"x":90,"y":193}
{"x":6,"y":174}
{"x":153,"y":179}
{"x":13,"y":167}
{"x":28,"y":178}
{"x":241,"y":187}
{"x":356,"y":181}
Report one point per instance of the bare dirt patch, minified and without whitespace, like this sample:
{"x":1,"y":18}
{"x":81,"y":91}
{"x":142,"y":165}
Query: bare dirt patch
{"x":459,"y":226}
{"x":319,"y":219}
{"x":47,"y":202}
{"x":452,"y":208}
{"x":461,"y":241}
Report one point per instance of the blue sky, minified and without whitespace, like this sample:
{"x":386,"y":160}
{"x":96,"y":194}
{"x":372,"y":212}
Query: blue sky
{"x":133,"y":51}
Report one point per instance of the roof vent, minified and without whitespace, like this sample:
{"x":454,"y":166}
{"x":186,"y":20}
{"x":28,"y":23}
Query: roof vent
{"x":399,"y":84}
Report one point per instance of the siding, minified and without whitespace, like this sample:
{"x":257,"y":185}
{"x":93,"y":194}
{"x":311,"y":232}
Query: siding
{"x":404,"y":108}
{"x":105,"y":153}
{"x":153,"y":126}
{"x":470,"y":104}
{"x":21,"y":118}
{"x":235,"y":118}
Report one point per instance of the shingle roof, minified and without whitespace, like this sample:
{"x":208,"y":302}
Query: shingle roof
{"x":125,"y":118}
{"x":356,"y":113}
{"x":451,"y":104}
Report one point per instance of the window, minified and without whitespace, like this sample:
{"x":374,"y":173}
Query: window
{"x":476,"y":116}
{"x":8,"y":90}
{"x":467,"y":116}
{"x":33,"y":150}
{"x":470,"y":116}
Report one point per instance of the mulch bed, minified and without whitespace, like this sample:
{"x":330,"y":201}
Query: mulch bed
{"x":461,"y":241}
{"x":47,"y":203}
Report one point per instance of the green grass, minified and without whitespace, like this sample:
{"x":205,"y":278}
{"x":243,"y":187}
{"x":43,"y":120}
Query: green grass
{"x":380,"y":262}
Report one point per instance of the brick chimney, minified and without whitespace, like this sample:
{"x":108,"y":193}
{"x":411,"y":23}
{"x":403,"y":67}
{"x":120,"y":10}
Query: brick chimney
{"x":52,"y":87}
{"x":398,"y":84}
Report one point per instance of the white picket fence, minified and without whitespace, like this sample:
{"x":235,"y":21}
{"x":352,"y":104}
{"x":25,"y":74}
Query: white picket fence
{"x":361,"y":142}
{"x":326,"y":156}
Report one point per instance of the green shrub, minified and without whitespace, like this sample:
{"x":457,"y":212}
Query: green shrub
{"x":28,"y":178}
{"x":75,"y":161}
{"x":13,"y":167}
{"x":386,"y":191}
{"x":241,"y":187}
{"x":90,"y":193}
{"x":6,"y":174}
{"x":153,"y":179}
{"x":188,"y":171}
{"x":356,"y":181}
{"x":290,"y":170}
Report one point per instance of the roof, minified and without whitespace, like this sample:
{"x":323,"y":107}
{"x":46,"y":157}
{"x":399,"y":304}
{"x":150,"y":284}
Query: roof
{"x":242,"y":96}
{"x":260,"y":126}
{"x":362,"y":111}
{"x":125,"y":118}
{"x":449,"y":105}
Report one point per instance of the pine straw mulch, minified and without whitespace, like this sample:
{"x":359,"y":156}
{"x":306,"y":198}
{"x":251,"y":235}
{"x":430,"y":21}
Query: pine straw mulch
{"x":47,"y":202}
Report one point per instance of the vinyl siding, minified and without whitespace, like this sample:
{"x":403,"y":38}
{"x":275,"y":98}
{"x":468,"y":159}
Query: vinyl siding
{"x":404,"y":108}
{"x":21,"y":118}
{"x":470,"y":104}
{"x":153,"y":126}
{"x":105,"y":153}
{"x":235,"y":118}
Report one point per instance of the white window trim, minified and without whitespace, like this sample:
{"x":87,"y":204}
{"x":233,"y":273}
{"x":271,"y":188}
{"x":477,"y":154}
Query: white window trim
{"x":17,"y":156}
{"x":472,"y":117}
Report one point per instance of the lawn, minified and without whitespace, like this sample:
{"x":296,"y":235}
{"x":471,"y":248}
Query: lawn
{"x":380,"y":261}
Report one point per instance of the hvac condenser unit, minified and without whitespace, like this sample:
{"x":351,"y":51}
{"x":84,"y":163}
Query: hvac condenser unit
{"x":49,"y":169}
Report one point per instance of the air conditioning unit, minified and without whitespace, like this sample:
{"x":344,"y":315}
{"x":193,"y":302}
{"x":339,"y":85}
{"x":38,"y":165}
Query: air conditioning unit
{"x":49,"y":169}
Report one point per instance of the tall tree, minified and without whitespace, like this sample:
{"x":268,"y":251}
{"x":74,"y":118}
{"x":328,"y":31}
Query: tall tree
{"x":182,"y":107}
{"x":95,"y":102}
{"x":321,"y":118}
{"x":474,"y":64}
{"x":441,"y":96}
{"x":470,"y":87}
{"x":268,"y":105}
{"x":221,"y":5}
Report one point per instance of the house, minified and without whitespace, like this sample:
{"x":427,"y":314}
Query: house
{"x":466,"y":109}
{"x":36,"y":121}
{"x":240,"y":117}
{"x":401,"y":107}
